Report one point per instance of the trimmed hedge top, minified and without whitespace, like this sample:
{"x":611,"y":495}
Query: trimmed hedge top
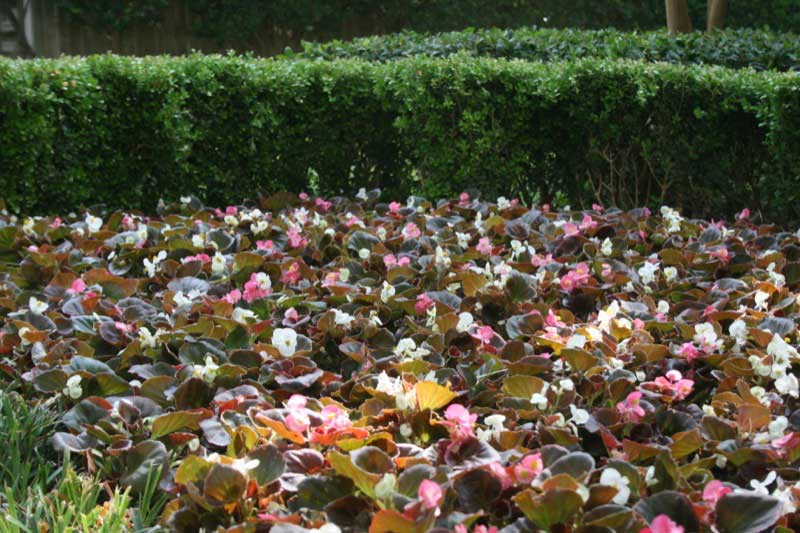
{"x":126,"y":131}
{"x":729,"y":48}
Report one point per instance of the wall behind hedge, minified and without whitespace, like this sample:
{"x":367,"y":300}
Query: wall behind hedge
{"x":267,"y":26}
{"x":127,"y":131}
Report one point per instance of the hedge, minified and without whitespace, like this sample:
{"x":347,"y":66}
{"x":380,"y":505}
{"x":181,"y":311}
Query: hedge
{"x":235,"y":21}
{"x":731,"y":48}
{"x":126,"y":131}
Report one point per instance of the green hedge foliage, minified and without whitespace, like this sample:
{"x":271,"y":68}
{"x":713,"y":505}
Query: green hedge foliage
{"x":731,"y":48}
{"x":126,"y":131}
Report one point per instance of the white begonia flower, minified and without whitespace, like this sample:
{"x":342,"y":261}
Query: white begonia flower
{"x":647,"y":272}
{"x":93,"y":223}
{"x":762,"y":300}
{"x":363,"y":253}
{"x":663,"y":307}
{"x":27,"y":227}
{"x":208,"y":371}
{"x":607,"y":247}
{"x":779,"y":349}
{"x":343,"y":319}
{"x":706,"y":335}
{"x":147,"y":339}
{"x":463,"y":240}
{"x":576,"y":341}
{"x":672,"y":219}
{"x":242,"y":316}
{"x":761,"y":486}
{"x":186,"y":299}
{"x":150,"y":265}
{"x":381,"y":232}
{"x":406,"y":430}
{"x":73,"y":388}
{"x":738,"y":330}
{"x":565,"y":385}
{"x":199,"y":240}
{"x":386,"y":487}
{"x":218,"y":264}
{"x":788,"y":384}
{"x":465,"y":320}
{"x":612,"y":478}
{"x":387,"y":292}
{"x":650,"y":478}
{"x":579,"y":416}
{"x":777,"y":427}
{"x":496,"y":428}
{"x":362,"y":194}
{"x":670,"y":273}
{"x":539,"y":399}
{"x":36,"y":305}
{"x":344,"y":274}
{"x":285,"y":340}
{"x":503,"y":203}
{"x":193,"y":445}
{"x":442,"y":258}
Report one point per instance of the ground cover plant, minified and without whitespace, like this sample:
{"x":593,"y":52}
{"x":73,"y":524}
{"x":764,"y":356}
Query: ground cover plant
{"x":303,"y":363}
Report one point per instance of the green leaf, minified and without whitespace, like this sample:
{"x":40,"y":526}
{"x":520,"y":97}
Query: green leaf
{"x":747,"y":512}
{"x":140,"y":461}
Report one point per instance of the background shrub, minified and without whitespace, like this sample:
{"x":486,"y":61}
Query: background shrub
{"x":731,"y":48}
{"x":124,"y":131}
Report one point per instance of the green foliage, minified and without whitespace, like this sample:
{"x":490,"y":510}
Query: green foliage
{"x":731,"y":48}
{"x":75,"y":505}
{"x":113,"y":14}
{"x":26,"y":457}
{"x":124,"y":131}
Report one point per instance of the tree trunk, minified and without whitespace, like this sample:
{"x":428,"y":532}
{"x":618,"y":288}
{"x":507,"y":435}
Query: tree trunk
{"x":717,"y":11}
{"x":678,"y":20}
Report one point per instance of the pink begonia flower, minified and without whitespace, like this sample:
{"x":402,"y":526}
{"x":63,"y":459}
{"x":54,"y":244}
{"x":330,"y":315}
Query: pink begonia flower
{"x":606,"y":272}
{"x":674,"y":383}
{"x":743,"y":215}
{"x":784,"y":442}
{"x":483,"y":334}
{"x":303,"y":196}
{"x":714,"y":491}
{"x":689,"y":351}
{"x":463,"y":199}
{"x":546,"y":208}
{"x":484,"y":246}
{"x":353,"y":221}
{"x":323,"y":205}
{"x":267,"y":246}
{"x":394,"y":207}
{"x":233,"y":297}
{"x":553,"y":320}
{"x":292,"y":275}
{"x":331,"y":278}
{"x":291,"y":315}
{"x":540,"y":261}
{"x":638,"y":324}
{"x":662,"y":524}
{"x":631,"y":409}
{"x":528,"y":468}
{"x":642,"y":235}
{"x":597,"y":207}
{"x":501,"y":474}
{"x":587,"y":223}
{"x":258,"y":287}
{"x":203,"y":258}
{"x":423,"y":303}
{"x":297,"y":419}
{"x":335,"y":418}
{"x":480,"y":528}
{"x":296,"y":239}
{"x":646,"y":211}
{"x":571,"y":229}
{"x":411,"y":231}
{"x":391,"y":261}
{"x":461,"y":420}
{"x":430,"y":495}
{"x":122,"y":327}
{"x":722,"y":254}
{"x":128,"y":222}
{"x":78,"y":286}
{"x":56,"y":223}
{"x":575,"y":278}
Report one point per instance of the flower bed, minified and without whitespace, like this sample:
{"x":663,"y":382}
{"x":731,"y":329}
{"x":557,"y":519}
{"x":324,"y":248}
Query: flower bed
{"x":468,"y":366}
